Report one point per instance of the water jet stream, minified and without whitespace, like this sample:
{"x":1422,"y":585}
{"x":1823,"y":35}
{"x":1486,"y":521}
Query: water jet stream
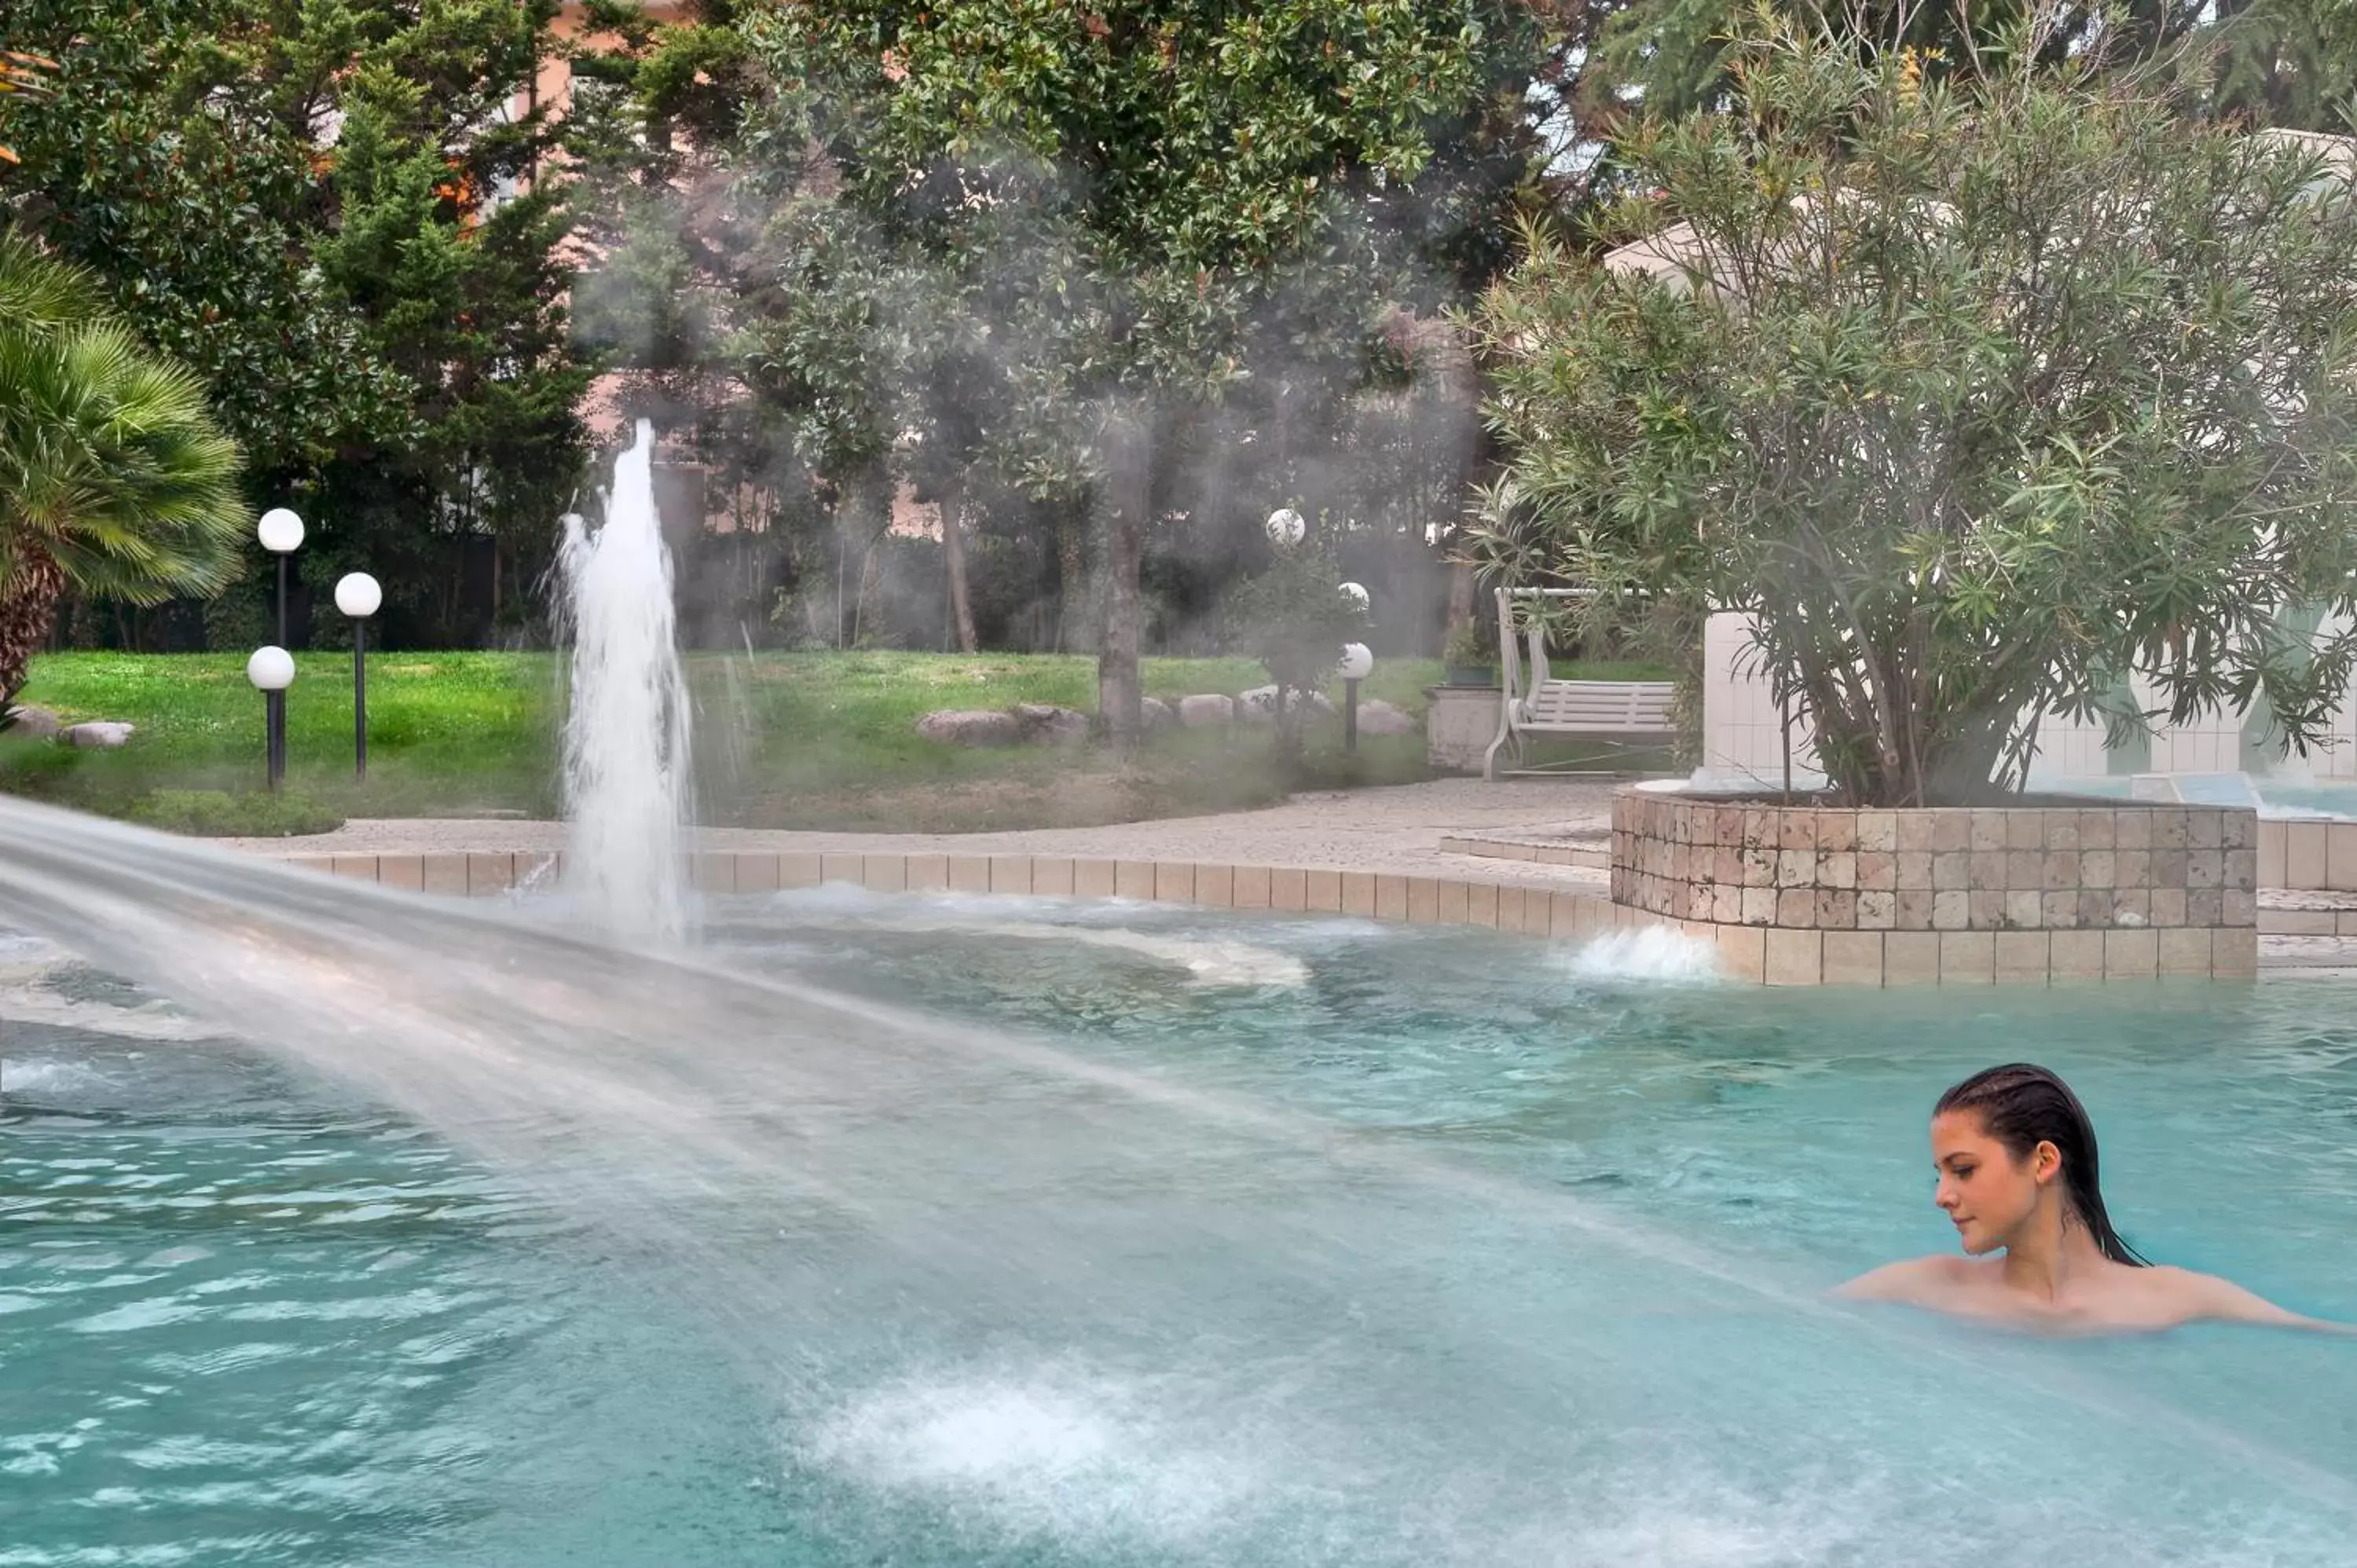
{"x":626,"y":729}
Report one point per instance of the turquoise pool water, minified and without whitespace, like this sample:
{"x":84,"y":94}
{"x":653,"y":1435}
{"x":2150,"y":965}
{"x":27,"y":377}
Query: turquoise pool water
{"x":1545,"y":1290}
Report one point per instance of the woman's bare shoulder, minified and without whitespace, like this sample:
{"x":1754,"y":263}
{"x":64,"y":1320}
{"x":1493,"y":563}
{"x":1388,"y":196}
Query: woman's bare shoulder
{"x":2190,"y":1295}
{"x":1913,"y":1279}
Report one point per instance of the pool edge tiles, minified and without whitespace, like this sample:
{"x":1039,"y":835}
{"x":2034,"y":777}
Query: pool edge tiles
{"x":1750,"y":954}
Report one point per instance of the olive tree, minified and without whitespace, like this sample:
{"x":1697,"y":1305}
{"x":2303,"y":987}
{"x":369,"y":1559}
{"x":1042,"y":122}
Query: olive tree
{"x":1978,"y":394}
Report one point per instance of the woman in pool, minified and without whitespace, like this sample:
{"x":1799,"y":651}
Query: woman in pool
{"x":2016,"y":1156}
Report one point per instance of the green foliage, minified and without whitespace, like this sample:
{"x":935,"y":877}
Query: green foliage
{"x":2285,"y":62}
{"x":821,"y":740}
{"x":155,"y":160}
{"x":1080,"y":273}
{"x":1977,"y":395}
{"x":113,"y":478}
{"x":318,"y":205}
{"x":1674,"y":57}
{"x":1294,"y":619}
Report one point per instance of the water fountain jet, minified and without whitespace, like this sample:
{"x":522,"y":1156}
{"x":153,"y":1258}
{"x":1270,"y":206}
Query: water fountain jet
{"x":626,"y":729}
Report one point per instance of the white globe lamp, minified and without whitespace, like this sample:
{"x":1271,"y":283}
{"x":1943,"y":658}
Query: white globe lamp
{"x":1357,"y":663}
{"x":1357,"y":593}
{"x":272,"y":670}
{"x":1286,"y":528}
{"x":358,"y":594}
{"x":280,"y":531}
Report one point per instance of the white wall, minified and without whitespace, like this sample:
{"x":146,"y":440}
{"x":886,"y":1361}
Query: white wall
{"x":1742,"y":733}
{"x":1742,"y":739}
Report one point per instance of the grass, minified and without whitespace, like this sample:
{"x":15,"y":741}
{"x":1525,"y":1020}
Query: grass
{"x":818,"y":740}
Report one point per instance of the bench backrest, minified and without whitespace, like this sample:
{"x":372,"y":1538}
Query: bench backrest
{"x":1599,"y":706}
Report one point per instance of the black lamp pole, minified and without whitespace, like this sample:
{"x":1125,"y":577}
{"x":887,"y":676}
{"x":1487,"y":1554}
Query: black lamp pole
{"x":281,"y":533}
{"x":360,"y":699}
{"x":274,"y":718}
{"x":1351,"y":714}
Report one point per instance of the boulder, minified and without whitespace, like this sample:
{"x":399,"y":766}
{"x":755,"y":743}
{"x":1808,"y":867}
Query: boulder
{"x":1044,"y":724}
{"x":1378,"y":717}
{"x":1207,"y":709}
{"x":1259,"y":704}
{"x":1025,"y":723}
{"x":970,"y":727}
{"x":104,"y":733}
{"x":38,"y":723}
{"x":1155,"y":714}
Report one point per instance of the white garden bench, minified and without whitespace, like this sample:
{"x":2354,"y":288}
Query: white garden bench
{"x":1534,"y":703}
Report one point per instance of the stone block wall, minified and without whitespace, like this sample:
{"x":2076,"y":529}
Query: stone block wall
{"x":2029,"y":868}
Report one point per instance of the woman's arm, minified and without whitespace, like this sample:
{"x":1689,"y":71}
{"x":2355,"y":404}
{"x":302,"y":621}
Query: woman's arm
{"x":2211,"y":1297}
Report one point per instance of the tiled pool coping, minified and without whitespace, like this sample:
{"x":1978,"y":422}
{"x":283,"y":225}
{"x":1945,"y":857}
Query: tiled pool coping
{"x":1755,"y":953}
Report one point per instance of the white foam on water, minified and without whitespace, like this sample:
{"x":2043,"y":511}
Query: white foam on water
{"x":1040,"y":1453}
{"x":1651,"y":953}
{"x":149,"y":1021}
{"x":1208,"y":961}
{"x":45,"y":1077}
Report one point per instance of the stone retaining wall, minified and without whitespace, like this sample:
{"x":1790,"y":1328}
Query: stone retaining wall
{"x":1747,"y":952}
{"x":2311,"y":854}
{"x":1427,"y":900}
{"x":2110,"y":889}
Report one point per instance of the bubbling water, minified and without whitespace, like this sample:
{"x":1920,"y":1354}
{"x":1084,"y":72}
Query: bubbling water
{"x":626,"y":729}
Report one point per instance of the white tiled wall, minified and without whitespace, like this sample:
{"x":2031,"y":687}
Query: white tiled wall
{"x":1742,"y":738}
{"x":2340,"y":760}
{"x":1743,"y":735}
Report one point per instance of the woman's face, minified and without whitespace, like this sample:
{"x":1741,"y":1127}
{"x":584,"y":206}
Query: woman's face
{"x":1985,"y":1190}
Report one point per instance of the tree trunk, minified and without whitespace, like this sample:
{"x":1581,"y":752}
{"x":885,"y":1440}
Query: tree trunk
{"x":953,"y":505}
{"x":1130,"y":479}
{"x":29,"y":608}
{"x":1460,"y":600}
{"x":1073,"y":579}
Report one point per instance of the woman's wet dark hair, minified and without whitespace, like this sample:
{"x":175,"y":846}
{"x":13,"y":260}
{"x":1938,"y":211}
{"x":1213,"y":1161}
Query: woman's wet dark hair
{"x":2022,"y":1106}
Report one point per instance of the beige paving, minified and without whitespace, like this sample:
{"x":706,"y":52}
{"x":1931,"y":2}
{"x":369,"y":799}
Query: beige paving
{"x":1398,"y":829}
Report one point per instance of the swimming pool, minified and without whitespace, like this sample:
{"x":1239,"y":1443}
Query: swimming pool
{"x":1348,"y":1244}
{"x":2269,"y":796}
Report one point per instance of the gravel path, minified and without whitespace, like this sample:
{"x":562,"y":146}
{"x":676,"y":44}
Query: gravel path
{"x":1392,"y":829}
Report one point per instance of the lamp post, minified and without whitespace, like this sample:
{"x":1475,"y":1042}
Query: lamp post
{"x":272,"y":670}
{"x":357,"y":595}
{"x":1357,"y":664}
{"x":281,"y":533}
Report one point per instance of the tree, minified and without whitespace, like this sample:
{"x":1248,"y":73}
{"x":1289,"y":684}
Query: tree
{"x":113,"y":478}
{"x":1673,"y":56}
{"x":326,"y":209}
{"x":1158,"y":211}
{"x":1293,"y":617}
{"x":2285,"y":62}
{"x":1977,"y":394}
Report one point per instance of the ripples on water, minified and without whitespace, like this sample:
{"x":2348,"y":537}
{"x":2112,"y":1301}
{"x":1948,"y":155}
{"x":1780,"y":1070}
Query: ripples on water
{"x":248,"y":1318}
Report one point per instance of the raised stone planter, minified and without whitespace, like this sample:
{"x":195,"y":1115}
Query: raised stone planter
{"x":1460,"y":722}
{"x":1806,"y":894}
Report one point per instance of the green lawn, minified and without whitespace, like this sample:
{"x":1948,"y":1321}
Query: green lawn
{"x":814,"y":740}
